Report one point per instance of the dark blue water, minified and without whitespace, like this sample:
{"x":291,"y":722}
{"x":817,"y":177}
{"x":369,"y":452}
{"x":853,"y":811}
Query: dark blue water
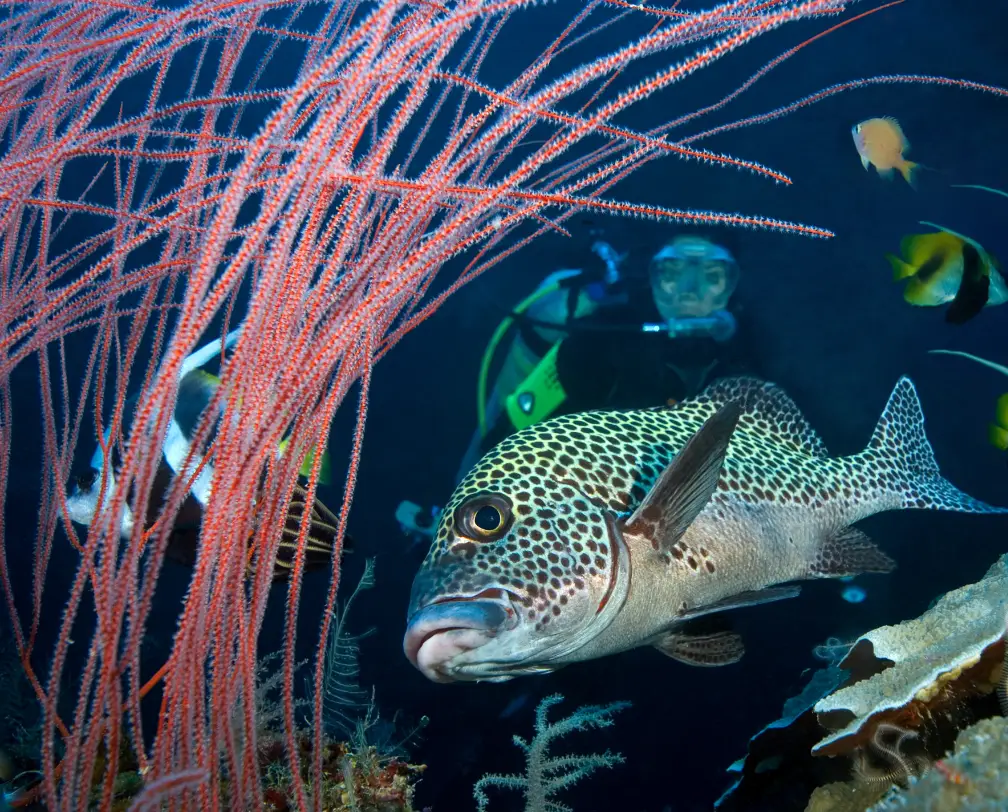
{"x":828,"y":325}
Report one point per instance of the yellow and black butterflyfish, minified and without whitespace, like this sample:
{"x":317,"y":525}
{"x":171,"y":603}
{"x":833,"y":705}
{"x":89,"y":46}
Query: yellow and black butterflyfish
{"x":948,"y":268}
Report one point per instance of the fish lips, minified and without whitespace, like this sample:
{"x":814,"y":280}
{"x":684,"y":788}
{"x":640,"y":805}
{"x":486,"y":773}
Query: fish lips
{"x":441,"y":632}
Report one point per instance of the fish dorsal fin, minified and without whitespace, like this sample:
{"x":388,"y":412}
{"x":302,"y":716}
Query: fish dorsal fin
{"x":771,"y":408}
{"x":196,"y":389}
{"x":955,"y":234}
{"x":686,"y":485}
{"x":705,"y":650}
{"x":898,"y":130}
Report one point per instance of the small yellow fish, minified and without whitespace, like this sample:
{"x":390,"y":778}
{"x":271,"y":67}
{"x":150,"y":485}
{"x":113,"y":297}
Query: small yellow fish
{"x":946,"y":267}
{"x":881,"y":143}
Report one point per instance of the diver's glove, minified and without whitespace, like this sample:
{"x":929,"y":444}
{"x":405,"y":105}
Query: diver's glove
{"x":719,"y":325}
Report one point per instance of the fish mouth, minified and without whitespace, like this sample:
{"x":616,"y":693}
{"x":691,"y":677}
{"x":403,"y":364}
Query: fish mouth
{"x":444,"y":629}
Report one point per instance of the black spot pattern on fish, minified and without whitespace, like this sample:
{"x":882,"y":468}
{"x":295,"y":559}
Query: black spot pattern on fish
{"x":565,"y":475}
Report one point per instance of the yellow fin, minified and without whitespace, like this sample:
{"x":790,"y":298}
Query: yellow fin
{"x":901,"y":270}
{"x":206,"y":377}
{"x":998,"y":436}
{"x":1001,"y":411}
{"x":917,"y":293}
{"x":325,"y":467}
{"x":956,"y":236}
{"x":908,"y":169}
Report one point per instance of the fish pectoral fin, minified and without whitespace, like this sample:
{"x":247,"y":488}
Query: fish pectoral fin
{"x":686,"y":485}
{"x":740,"y":600}
{"x":849,"y":552}
{"x":704,"y":650}
{"x":865,"y":162}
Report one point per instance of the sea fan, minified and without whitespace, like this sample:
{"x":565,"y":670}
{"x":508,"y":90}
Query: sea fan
{"x":547,"y":775}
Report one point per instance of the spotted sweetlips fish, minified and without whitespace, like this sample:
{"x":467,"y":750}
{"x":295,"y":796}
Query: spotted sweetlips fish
{"x":593,"y":533}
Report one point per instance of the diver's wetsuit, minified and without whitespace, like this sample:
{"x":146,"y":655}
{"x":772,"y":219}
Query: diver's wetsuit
{"x":608,"y":362}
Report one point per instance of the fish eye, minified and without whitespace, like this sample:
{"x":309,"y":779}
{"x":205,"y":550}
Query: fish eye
{"x":85,"y":481}
{"x":485,"y":517}
{"x":488,"y":519}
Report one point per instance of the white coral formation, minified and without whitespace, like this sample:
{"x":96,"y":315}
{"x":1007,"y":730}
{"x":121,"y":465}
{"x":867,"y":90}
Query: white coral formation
{"x":928,"y":651}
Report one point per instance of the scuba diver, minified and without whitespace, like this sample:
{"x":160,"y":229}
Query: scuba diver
{"x":600,"y":338}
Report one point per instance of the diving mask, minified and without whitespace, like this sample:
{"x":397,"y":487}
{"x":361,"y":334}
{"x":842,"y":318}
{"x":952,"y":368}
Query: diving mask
{"x":692,"y":277}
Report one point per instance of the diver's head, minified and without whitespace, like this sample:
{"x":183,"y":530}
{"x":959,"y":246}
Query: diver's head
{"x":692,"y":277}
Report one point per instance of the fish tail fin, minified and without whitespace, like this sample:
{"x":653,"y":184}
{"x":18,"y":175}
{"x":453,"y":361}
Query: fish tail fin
{"x":909,"y":171}
{"x":900,"y":270}
{"x":900,"y":459}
